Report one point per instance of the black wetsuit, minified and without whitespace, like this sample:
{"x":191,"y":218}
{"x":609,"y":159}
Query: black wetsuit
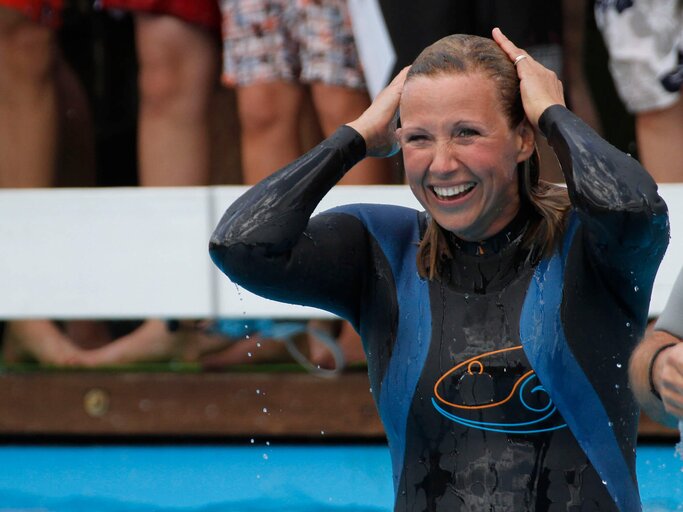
{"x":456,"y":365}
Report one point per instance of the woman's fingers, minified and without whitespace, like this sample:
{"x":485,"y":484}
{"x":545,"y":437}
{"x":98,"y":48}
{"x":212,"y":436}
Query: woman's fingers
{"x":506,"y":45}
{"x":377,"y":124}
{"x":539,"y":87}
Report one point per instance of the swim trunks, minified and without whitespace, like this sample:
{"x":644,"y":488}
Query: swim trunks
{"x":45,"y":12}
{"x":503,"y":385}
{"x":294,"y":40}
{"x":201,"y":12}
{"x":644,"y":39}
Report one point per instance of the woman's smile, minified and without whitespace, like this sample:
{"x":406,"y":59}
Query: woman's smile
{"x":453,"y":193}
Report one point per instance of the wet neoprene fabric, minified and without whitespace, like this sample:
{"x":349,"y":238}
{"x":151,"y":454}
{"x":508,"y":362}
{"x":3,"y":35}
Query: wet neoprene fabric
{"x":502,"y":386}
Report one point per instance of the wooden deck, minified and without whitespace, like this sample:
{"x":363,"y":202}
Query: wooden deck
{"x":196,"y":405}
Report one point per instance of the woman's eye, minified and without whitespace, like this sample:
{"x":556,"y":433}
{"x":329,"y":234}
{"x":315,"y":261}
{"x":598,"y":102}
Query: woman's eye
{"x":416,"y":137}
{"x":467,"y":132}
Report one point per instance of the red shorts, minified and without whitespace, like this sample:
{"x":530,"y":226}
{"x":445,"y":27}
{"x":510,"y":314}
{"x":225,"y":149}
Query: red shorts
{"x":201,"y":12}
{"x":45,"y":12}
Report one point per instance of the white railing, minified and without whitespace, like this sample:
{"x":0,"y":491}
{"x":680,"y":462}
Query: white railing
{"x":142,"y":252}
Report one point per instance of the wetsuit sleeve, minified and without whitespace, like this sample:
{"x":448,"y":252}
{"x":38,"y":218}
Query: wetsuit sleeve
{"x":267,"y":243}
{"x":625,"y":222}
{"x":671,"y":319}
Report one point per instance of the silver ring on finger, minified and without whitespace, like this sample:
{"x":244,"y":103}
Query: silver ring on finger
{"x":519,"y":58}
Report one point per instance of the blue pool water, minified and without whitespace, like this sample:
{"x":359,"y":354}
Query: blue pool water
{"x":254,"y":478}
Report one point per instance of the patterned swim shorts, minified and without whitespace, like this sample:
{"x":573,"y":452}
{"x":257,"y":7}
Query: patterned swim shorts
{"x":45,"y":12}
{"x":293,"y":40}
{"x":645,"y":43}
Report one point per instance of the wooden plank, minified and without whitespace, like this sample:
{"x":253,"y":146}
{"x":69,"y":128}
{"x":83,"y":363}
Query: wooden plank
{"x":167,"y":404}
{"x":244,"y":405}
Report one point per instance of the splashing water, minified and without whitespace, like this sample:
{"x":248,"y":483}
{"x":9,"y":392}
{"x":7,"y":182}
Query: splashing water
{"x":679,"y":446}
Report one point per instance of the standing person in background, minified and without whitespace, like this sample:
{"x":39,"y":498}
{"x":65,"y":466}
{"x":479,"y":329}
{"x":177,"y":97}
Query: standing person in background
{"x":644,"y":39}
{"x":35,"y":85}
{"x":274,"y":51}
{"x":178,"y":70}
{"x":178,"y":61}
{"x":656,"y":369}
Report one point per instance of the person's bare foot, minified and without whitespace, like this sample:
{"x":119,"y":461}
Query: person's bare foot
{"x":39,"y":340}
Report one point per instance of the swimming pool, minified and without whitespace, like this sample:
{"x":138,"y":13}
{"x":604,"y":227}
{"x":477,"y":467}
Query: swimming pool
{"x":258,"y":477}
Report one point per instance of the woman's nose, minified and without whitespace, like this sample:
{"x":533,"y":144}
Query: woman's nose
{"x":444,"y":159}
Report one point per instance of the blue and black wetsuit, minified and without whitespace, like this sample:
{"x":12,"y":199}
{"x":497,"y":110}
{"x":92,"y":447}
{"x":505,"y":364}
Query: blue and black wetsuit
{"x":502,"y":386}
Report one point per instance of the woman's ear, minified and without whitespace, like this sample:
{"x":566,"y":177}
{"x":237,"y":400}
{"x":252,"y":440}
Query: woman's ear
{"x":527,"y":140}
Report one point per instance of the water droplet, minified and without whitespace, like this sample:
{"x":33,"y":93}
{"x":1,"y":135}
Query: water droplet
{"x":604,"y":482}
{"x":322,"y":432}
{"x":636,"y":288}
{"x":267,"y":443}
{"x":258,"y":391}
{"x":258,"y":344}
{"x":610,"y":424}
{"x":628,"y":324}
{"x":265,"y":456}
{"x":251,"y":440}
{"x":247,"y":336}
{"x":616,"y":386}
{"x":258,"y":477}
{"x":618,"y":365}
{"x":265,"y":410}
{"x":249,"y":354}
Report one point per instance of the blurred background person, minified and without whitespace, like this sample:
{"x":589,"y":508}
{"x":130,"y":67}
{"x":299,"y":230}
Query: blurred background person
{"x":276,"y":53}
{"x":644,"y":39}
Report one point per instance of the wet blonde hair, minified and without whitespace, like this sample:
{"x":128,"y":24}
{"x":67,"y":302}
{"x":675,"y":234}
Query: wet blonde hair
{"x":459,"y":54}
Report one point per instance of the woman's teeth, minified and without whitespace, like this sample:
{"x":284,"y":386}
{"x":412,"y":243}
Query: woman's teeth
{"x":452,"y":192}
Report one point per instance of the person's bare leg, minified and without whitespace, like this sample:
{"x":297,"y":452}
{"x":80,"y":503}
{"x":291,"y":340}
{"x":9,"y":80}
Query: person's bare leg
{"x":28,"y":148}
{"x":178,"y":75}
{"x":659,"y":135}
{"x":28,"y":102}
{"x":337,"y":105}
{"x":269,"y":124}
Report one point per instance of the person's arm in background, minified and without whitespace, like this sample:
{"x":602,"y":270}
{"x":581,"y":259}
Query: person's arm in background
{"x":657,"y":364}
{"x":574,"y":38}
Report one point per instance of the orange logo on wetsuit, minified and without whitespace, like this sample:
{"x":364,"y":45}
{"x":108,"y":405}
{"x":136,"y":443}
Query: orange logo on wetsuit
{"x":532,"y":418}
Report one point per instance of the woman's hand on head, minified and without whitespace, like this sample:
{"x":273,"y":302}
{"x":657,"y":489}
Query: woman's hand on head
{"x":377,"y":125}
{"x":540,"y":88}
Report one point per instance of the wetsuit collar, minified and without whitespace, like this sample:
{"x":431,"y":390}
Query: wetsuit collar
{"x":512,"y":233}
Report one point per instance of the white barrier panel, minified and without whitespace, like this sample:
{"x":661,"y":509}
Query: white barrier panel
{"x":142,"y":252}
{"x":105,"y":253}
{"x":673,"y":259}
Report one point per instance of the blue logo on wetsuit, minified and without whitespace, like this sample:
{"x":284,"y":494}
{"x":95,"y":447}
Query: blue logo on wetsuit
{"x":482,"y":391}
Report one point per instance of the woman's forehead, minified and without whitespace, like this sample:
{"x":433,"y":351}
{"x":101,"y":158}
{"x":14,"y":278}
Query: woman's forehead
{"x":449,"y":90}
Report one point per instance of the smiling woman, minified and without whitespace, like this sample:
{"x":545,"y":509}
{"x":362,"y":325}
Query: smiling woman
{"x":497,"y":323}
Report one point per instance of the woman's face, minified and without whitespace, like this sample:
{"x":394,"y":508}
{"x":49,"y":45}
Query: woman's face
{"x":460,"y":154}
